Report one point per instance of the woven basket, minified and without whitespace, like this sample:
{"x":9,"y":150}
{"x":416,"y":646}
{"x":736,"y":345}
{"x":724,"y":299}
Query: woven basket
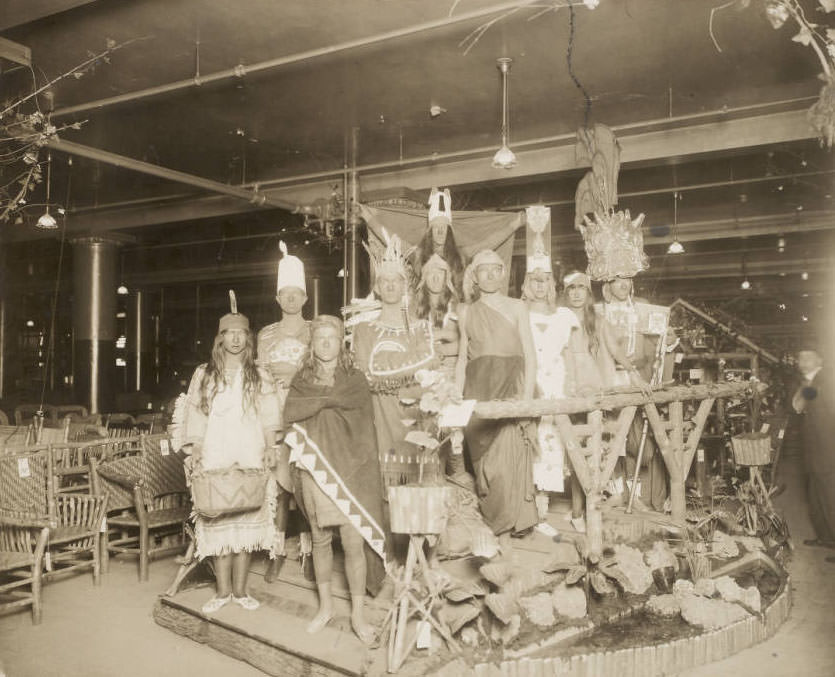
{"x":752,"y":449}
{"x":228,"y":491}
{"x":418,"y":509}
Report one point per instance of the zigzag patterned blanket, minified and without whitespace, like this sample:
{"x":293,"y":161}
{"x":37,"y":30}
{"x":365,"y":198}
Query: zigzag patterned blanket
{"x":307,"y":454}
{"x":332,"y":437}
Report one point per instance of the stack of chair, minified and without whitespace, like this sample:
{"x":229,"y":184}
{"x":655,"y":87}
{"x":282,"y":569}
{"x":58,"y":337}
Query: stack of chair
{"x":148,"y":502}
{"x":42,"y":528}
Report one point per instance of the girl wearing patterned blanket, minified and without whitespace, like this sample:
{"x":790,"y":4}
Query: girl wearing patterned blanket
{"x":232,"y":417}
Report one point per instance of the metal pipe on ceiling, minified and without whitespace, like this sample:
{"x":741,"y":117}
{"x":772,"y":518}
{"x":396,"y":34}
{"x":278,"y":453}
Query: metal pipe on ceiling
{"x":240,"y":70}
{"x":435,"y":159}
{"x":689,"y":187}
{"x":254,"y":195}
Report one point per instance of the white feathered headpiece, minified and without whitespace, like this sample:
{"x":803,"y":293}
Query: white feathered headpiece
{"x":290,"y":270}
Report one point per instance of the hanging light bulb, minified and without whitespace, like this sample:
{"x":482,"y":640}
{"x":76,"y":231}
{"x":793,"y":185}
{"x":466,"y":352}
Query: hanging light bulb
{"x":47,"y":221}
{"x":745,"y":284}
{"x":675,"y":246}
{"x":781,"y":244}
{"x":804,"y":275}
{"x":504,"y":157}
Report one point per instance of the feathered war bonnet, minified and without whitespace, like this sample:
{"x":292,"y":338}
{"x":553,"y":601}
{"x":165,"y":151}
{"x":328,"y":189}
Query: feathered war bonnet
{"x":232,"y":319}
{"x":613,"y":240}
{"x":290,"y":270}
{"x":389,"y":259}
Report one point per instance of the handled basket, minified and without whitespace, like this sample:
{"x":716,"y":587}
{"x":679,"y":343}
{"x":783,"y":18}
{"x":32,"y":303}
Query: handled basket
{"x":228,"y":491}
{"x":752,"y":449}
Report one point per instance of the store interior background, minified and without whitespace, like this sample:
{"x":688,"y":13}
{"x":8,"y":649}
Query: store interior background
{"x":402,"y":95}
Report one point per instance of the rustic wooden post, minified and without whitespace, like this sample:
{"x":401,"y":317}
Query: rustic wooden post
{"x":594,"y":520}
{"x":677,"y":452}
{"x":594,"y":462}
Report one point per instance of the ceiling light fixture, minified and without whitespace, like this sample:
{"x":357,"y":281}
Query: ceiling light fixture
{"x":47,"y":221}
{"x":804,"y":275}
{"x":504,"y":157}
{"x":745,"y":284}
{"x":781,"y":244}
{"x":675,"y":246}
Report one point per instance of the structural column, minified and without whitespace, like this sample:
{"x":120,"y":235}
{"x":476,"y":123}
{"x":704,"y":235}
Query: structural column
{"x":95,"y":279}
{"x":139,"y":342}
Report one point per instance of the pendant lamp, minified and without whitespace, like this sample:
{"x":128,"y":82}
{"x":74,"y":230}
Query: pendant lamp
{"x":504,"y":157}
{"x":47,"y":221}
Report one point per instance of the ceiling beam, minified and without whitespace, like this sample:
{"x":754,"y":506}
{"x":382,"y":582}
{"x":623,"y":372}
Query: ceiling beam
{"x":241,"y":70}
{"x":20,"y":12}
{"x":715,"y":229}
{"x":254,"y":195}
{"x":679,"y":139}
{"x":717,"y":136}
{"x":15,"y":52}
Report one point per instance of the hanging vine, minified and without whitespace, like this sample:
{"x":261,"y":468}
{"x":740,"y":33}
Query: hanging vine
{"x":25,"y":129}
{"x":820,"y":38}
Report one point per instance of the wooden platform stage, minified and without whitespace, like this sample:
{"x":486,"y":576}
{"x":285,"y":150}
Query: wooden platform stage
{"x":273,"y":638}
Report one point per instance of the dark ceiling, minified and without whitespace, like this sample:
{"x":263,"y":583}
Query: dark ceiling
{"x":265,"y":95}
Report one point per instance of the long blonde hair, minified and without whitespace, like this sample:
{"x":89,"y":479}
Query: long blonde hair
{"x":551,"y":296}
{"x":215,"y":374}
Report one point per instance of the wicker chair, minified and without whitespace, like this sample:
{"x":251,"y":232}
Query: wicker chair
{"x":14,"y":437}
{"x":25,"y":413}
{"x":151,"y":423}
{"x":84,"y":428}
{"x":148,"y":502}
{"x":74,"y":410}
{"x":68,"y":526}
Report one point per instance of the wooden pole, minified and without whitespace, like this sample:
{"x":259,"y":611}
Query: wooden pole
{"x":677,"y":480}
{"x":574,"y":405}
{"x":594,"y":520}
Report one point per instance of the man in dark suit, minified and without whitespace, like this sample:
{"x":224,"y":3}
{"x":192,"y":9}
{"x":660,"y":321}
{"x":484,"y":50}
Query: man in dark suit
{"x":815,"y":399}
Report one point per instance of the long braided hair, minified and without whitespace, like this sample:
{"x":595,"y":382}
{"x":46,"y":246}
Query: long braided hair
{"x":215,"y":374}
{"x":450,"y":254}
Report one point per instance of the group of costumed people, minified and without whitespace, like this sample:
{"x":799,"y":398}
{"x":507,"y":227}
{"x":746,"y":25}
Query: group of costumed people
{"x":301,"y":409}
{"x":341,"y":415}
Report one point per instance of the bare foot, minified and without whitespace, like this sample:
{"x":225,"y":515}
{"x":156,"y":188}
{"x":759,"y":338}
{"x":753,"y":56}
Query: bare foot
{"x":320,"y":620}
{"x":362,"y":629}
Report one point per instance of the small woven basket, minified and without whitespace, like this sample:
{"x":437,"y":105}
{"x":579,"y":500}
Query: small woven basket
{"x":752,"y":449}
{"x":418,"y":509}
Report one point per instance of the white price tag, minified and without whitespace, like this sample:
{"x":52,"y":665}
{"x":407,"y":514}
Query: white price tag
{"x":103,"y":527}
{"x":164,"y":447}
{"x":780,"y":434}
{"x":696,"y":374}
{"x":764,"y":428}
{"x":700,"y":455}
{"x":47,"y":561}
{"x":424,"y":635}
{"x":23,"y":468}
{"x":679,"y":358}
